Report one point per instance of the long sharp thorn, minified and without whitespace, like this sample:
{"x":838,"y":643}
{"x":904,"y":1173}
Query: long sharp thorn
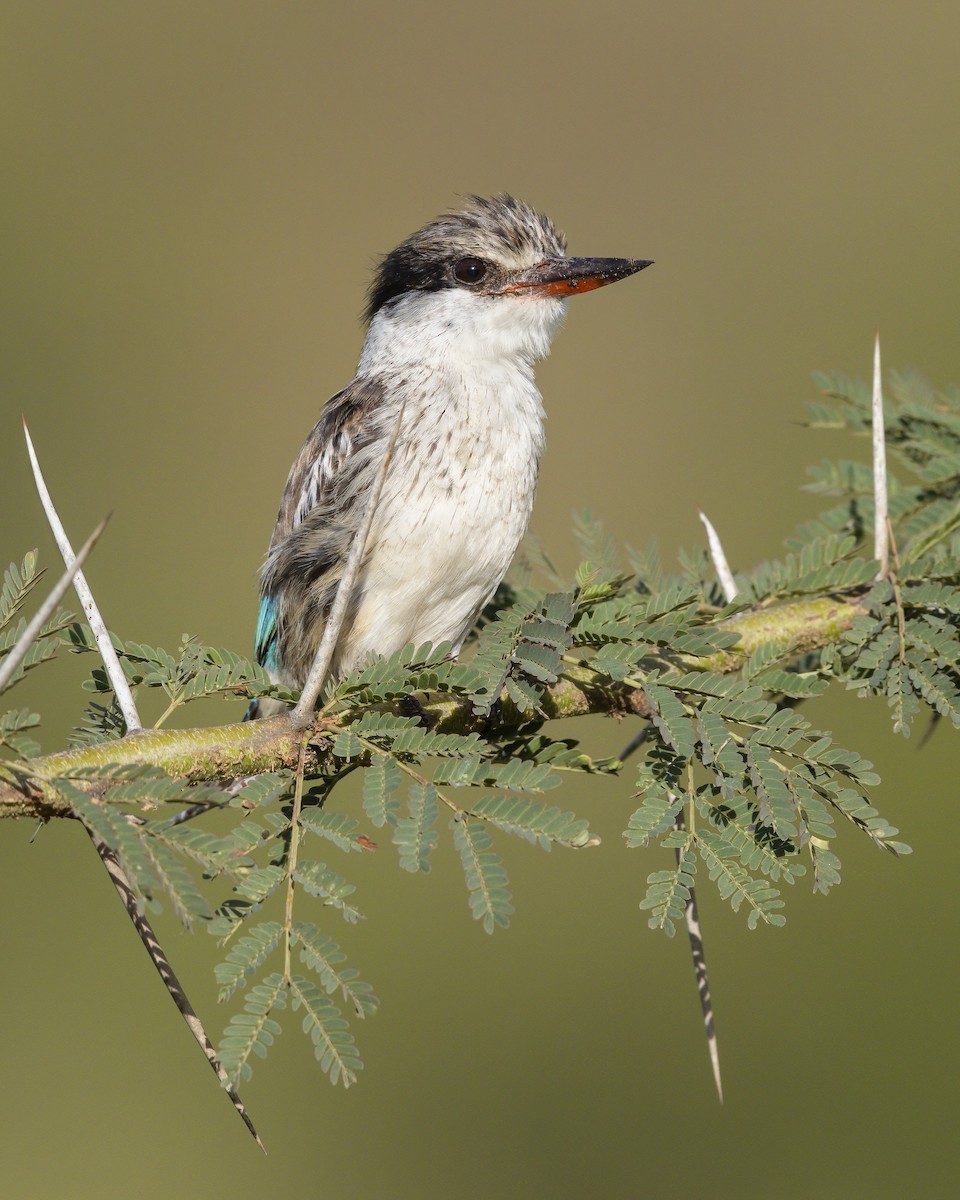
{"x":692,"y":919}
{"x":720,"y":564}
{"x":690,"y":914}
{"x":881,"y":521}
{"x":170,"y":981}
{"x":118,"y":681}
{"x":47,"y":608}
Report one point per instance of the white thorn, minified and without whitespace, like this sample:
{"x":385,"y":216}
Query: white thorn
{"x":881,"y":531}
{"x":721,"y":566}
{"x":118,"y":681}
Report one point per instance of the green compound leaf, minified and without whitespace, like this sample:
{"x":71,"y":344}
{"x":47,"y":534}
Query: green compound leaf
{"x":485,"y":874}
{"x":260,"y":882}
{"x":534,"y":821}
{"x":407,"y":736}
{"x":670,"y":718}
{"x":12,"y":726}
{"x":261,"y":791}
{"x":381,"y":780}
{"x":903,"y":704}
{"x":253,"y":1030}
{"x":792,"y":683}
{"x":736,"y":824}
{"x":114,"y":830}
{"x":333,"y":889}
{"x":935,"y":686}
{"x":669,"y":891}
{"x":734,"y":884}
{"x":333,"y":1042}
{"x":719,"y":749}
{"x":414,"y":835}
{"x":18,"y":583}
{"x":246,"y":956}
{"x":655,"y":816}
{"x":776,"y":806}
{"x":322,"y":954}
{"x":336,"y":827}
{"x":520,"y":775}
{"x":826,"y":867}
{"x":189,"y":903}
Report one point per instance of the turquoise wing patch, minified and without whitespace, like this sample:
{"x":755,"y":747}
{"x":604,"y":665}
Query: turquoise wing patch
{"x":266,"y":640}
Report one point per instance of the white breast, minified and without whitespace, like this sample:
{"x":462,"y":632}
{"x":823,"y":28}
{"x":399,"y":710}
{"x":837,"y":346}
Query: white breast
{"x":460,"y":490}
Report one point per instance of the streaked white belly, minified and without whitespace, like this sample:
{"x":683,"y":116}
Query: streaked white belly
{"x":456,"y":502}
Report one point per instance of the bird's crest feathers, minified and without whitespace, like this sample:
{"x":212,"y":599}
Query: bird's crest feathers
{"x":500,"y":228}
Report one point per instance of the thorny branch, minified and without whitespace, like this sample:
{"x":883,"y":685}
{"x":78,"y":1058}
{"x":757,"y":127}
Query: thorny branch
{"x":273,"y":744}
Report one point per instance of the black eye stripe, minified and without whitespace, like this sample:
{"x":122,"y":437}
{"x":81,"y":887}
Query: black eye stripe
{"x":470,"y":270}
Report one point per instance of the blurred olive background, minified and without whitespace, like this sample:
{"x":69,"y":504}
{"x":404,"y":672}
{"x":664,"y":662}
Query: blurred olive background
{"x":193,"y":196}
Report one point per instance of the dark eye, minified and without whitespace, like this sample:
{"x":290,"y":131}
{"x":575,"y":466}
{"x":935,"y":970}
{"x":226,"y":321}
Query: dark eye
{"x":470,"y":270}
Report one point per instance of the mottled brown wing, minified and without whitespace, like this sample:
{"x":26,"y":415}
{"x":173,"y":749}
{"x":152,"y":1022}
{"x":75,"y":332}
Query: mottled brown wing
{"x":315,"y":472}
{"x":318,"y":516}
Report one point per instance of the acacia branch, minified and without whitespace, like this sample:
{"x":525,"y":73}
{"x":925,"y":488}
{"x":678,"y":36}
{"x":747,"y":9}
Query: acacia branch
{"x":273,"y":744}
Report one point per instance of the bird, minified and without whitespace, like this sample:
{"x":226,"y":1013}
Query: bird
{"x":456,"y":317}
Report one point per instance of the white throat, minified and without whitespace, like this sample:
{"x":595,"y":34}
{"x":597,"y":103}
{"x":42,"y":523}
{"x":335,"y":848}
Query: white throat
{"x":453,"y":327}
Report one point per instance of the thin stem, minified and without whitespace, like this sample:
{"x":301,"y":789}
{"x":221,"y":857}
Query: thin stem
{"x":691,"y":799}
{"x":171,"y":708}
{"x":292,"y":859}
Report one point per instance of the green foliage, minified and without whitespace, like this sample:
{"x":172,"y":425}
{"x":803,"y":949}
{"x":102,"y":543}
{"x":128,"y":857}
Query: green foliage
{"x":655,"y":816}
{"x":824,"y":564}
{"x":336,"y":827}
{"x":380,"y":781}
{"x":736,"y":885}
{"x":100,"y":723}
{"x":322,"y":954}
{"x":196,"y":671}
{"x":735,"y":777}
{"x":535,"y":822}
{"x":246,"y":956}
{"x":253,"y":1030}
{"x":18,"y":583}
{"x":320,"y":881}
{"x":332,"y":1040}
{"x":414,"y":835}
{"x":485,"y":874}
{"x":521,"y":651}
{"x":669,"y":891}
{"x":12,"y":735}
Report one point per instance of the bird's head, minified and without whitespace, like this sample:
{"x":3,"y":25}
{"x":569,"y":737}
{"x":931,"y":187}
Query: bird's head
{"x":489,"y":281}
